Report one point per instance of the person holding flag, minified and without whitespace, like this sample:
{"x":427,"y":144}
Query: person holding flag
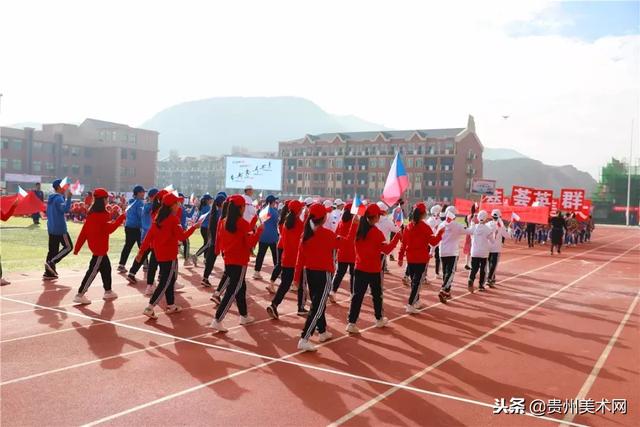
{"x":500,"y":232}
{"x":416,"y":240}
{"x":57,"y":207}
{"x":210,"y":254}
{"x":269,"y":238}
{"x":96,"y":231}
{"x":4,"y":216}
{"x":346,"y":255}
{"x":40,"y":195}
{"x":369,"y":245}
{"x":133,"y":226}
{"x":449,"y":247}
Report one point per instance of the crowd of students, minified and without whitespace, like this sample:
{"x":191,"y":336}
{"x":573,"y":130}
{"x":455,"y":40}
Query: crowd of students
{"x":313,"y":246}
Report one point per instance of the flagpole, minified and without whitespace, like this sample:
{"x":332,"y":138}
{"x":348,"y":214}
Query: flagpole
{"x":629,"y":175}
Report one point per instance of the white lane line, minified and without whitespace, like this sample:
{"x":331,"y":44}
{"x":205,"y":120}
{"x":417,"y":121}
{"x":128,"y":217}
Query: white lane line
{"x":367,"y":405}
{"x":593,"y":375}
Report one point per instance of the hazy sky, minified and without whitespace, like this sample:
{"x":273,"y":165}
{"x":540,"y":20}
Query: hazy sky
{"x":566,"y":73}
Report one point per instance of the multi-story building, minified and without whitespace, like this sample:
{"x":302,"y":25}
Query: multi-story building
{"x":191,"y":174}
{"x":98,"y":153}
{"x":440,"y":162}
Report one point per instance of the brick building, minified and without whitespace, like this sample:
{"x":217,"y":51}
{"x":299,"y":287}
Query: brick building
{"x":98,"y":153}
{"x":190,"y":174}
{"x":440,"y":162}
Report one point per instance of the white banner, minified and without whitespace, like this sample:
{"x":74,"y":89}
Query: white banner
{"x":260,"y":173}
{"x":483,"y":186}
{"x":22,"y":177}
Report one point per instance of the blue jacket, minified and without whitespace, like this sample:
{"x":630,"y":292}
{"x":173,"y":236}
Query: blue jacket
{"x":203,"y":210}
{"x":186,"y":214}
{"x":146,"y":218}
{"x":134,"y":214}
{"x":56,"y":208}
{"x":270,"y":232}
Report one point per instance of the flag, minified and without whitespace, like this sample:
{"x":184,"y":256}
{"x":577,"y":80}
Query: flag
{"x":515,"y":216}
{"x":76,"y":188}
{"x":65,"y":182}
{"x":301,"y":199}
{"x":168,"y":188}
{"x":27,"y":205}
{"x":202,"y":217}
{"x":21,"y":192}
{"x":260,"y":195}
{"x":581,"y":216}
{"x":399,"y":220}
{"x":397,"y":182}
{"x":264,"y":214}
{"x":357,"y":207}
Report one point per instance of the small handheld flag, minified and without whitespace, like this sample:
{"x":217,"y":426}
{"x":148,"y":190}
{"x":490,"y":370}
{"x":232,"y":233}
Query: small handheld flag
{"x":264,"y":214}
{"x":515,"y":216}
{"x":202,"y":217}
{"x":21,"y":192}
{"x":358,"y":206}
{"x":168,"y":188}
{"x":65,"y":183}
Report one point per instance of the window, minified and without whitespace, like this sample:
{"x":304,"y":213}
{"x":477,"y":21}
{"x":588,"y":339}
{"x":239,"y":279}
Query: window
{"x":133,"y":154}
{"x":16,"y":144}
{"x":88,"y":170}
{"x":88,"y":152}
{"x":133,"y":138}
{"x":36,"y":165}
{"x":75,"y":169}
{"x":16,"y":164}
{"x":37,"y":146}
{"x":5,"y":143}
{"x":65,"y":169}
{"x":75,"y":151}
{"x":114,"y":135}
{"x":49,"y":166}
{"x":4,"y":163}
{"x":123,"y":154}
{"x":65,"y":150}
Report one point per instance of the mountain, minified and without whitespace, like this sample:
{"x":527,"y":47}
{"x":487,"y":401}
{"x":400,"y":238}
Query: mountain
{"x":534,"y":173}
{"x":213,"y":126}
{"x":501,"y":154}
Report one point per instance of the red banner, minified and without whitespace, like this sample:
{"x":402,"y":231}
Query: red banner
{"x":463,"y":206}
{"x":534,"y":214}
{"x":624,"y":209}
{"x":554,"y":207}
{"x":542,"y":197}
{"x":495,"y":198}
{"x":522,"y":196}
{"x":27,"y":205}
{"x":571,"y":199}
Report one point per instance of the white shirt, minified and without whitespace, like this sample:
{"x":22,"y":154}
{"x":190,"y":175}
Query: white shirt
{"x":449,"y":245}
{"x":481,"y":240}
{"x":387,"y":227}
{"x":498,"y":234}
{"x":433,"y":222}
{"x":249,"y":209}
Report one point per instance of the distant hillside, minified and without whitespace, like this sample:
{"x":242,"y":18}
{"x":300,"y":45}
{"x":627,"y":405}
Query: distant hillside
{"x":501,"y":154}
{"x":534,"y":173}
{"x":214,"y":125}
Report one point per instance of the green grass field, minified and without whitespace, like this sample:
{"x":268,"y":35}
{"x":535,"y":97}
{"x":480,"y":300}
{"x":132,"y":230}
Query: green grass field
{"x":23,"y":246}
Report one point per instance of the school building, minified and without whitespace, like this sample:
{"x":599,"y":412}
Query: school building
{"x":98,"y":153}
{"x":440,"y":162}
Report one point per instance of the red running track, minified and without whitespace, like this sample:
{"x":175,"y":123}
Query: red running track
{"x":561,"y":327}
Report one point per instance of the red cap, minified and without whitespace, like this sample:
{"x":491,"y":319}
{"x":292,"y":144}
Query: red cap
{"x":237,"y":200}
{"x":286,"y":202}
{"x":373,"y":210}
{"x":348,"y":206}
{"x":420,"y":208}
{"x":100,"y":193}
{"x":161,"y":194}
{"x":169,"y":199}
{"x":317,"y":211}
{"x":295,"y":206}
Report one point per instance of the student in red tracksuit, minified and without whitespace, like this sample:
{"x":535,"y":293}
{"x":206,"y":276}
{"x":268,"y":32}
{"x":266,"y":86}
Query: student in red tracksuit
{"x":370,"y":243}
{"x":277,"y":269}
{"x":96,"y":231}
{"x":417,"y":237}
{"x":164,"y":237}
{"x":217,"y":250}
{"x":346,"y":256}
{"x":237,"y":239}
{"x":315,"y":258}
{"x":291,"y":235}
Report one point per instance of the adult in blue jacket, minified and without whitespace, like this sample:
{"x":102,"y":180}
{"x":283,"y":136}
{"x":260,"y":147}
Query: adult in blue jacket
{"x":57,"y":207}
{"x":269,"y":237}
{"x":133,"y":226}
{"x":205,"y":206}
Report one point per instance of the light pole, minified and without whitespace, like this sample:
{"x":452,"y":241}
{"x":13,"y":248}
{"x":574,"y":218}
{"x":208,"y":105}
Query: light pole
{"x":629,"y":175}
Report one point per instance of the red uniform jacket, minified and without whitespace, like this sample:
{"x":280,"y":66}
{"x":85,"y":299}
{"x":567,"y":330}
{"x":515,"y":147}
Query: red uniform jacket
{"x":165,"y":239}
{"x":96,"y":231}
{"x":368,"y":250}
{"x":317,"y":252}
{"x":291,"y":243}
{"x":237,"y":246}
{"x":347,"y":244}
{"x":416,"y":239}
{"x":280,"y":242}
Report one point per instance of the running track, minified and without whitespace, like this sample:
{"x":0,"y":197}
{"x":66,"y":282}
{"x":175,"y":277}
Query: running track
{"x":561,"y":327}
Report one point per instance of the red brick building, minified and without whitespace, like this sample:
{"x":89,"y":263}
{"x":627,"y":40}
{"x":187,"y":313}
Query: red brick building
{"x":98,"y":153}
{"x":440,"y":162}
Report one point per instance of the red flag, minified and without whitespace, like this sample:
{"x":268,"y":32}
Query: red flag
{"x":463,"y":206}
{"x":542,"y":197}
{"x":27,"y":205}
{"x":521,"y":196}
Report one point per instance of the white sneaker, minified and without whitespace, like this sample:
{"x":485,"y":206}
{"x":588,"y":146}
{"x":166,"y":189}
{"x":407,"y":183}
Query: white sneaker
{"x":419,"y":305}
{"x":411,"y":309}
{"x":177,"y":286}
{"x":352,"y":328}
{"x":218,"y":326}
{"x":326,"y":336}
{"x":257,"y":275}
{"x":245,"y":320}
{"x":149,"y":290}
{"x":4,"y":282}
{"x":332,"y":296}
{"x":188,"y":262}
{"x":271,"y":288}
{"x":81,"y":299}
{"x":305,"y":345}
{"x":293,"y":288}
{"x":109,"y":295}
{"x":381,"y":323}
{"x":148,"y":311}
{"x":174,"y":308}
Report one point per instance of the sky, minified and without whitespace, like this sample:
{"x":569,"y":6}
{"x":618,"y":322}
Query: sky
{"x":566,"y":73}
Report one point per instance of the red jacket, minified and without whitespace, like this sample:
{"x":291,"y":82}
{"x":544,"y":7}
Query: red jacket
{"x":165,"y":239}
{"x":280,"y":241}
{"x":96,"y":230}
{"x":217,"y":247}
{"x":236,"y":246}
{"x":368,"y":250}
{"x":291,"y":243}
{"x":416,"y":239}
{"x":317,"y":252}
{"x":5,"y":217}
{"x":347,"y":243}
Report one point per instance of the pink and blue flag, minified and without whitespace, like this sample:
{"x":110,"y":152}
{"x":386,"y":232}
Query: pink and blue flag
{"x":397,"y":182}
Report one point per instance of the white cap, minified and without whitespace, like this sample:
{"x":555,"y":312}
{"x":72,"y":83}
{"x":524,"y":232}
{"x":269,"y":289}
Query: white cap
{"x":248,"y":187}
{"x":496,"y":212}
{"x":450,"y":214}
{"x":327,"y":203}
{"x":308,"y":201}
{"x":383,"y":206}
{"x":451,"y":209}
{"x":482,"y":215}
{"x":436,"y":209}
{"x":338,"y":202}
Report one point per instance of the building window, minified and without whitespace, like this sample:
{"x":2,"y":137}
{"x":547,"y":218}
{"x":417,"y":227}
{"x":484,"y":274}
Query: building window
{"x":65,"y":150}
{"x":88,"y":170}
{"x":123,"y":154}
{"x":36,"y":165}
{"x":5,"y":143}
{"x":16,"y":164}
{"x":4,"y":163}
{"x":133,"y":138}
{"x":49,"y":166}
{"x":65,"y":169}
{"x":75,"y":169}
{"x":114,"y":135}
{"x":16,"y":144}
{"x":37,"y":146}
{"x":88,"y":152}
{"x":75,"y":151}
